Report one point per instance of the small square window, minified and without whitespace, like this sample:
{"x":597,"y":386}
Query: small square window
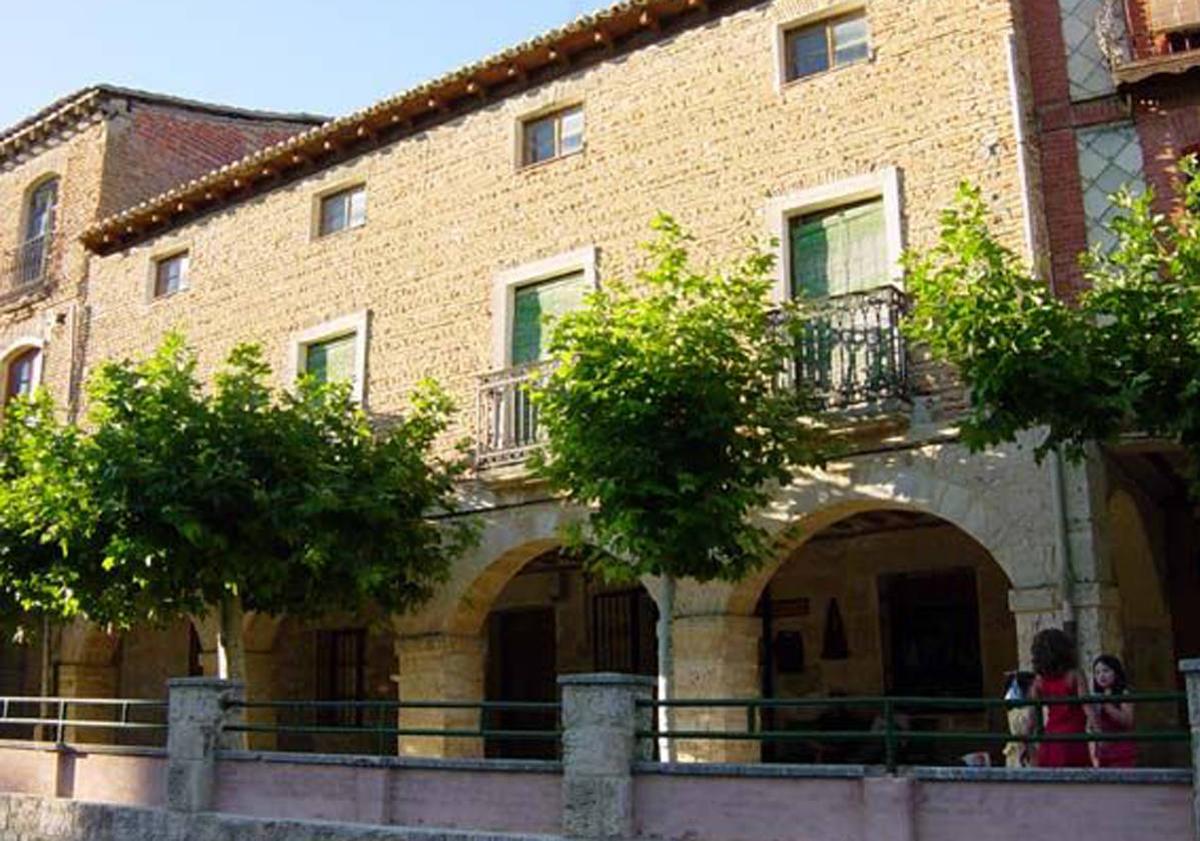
{"x":344,"y":209}
{"x":821,"y":46}
{"x":552,"y":136}
{"x":170,"y":275}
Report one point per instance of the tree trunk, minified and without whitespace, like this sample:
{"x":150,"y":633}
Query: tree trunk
{"x":666,"y":667}
{"x":231,"y":649}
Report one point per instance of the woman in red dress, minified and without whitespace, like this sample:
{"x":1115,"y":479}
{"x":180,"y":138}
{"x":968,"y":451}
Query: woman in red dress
{"x":1057,"y":676}
{"x":1108,"y":678}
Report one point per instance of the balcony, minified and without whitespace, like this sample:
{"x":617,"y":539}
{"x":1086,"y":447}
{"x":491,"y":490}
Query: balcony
{"x":1143,"y":40}
{"x":26,"y":268}
{"x":851,"y":352}
{"x":508,"y":428}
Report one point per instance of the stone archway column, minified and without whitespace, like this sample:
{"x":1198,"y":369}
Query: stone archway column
{"x":1098,"y":628}
{"x":440,"y":667}
{"x":716,"y":656}
{"x":1033,"y":609}
{"x":87,"y":668}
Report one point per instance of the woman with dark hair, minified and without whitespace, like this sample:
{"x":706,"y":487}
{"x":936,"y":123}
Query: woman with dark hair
{"x":1108,"y":678}
{"x":1055,"y":666}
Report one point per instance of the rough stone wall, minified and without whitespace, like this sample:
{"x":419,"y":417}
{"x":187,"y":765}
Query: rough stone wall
{"x":693,"y":125}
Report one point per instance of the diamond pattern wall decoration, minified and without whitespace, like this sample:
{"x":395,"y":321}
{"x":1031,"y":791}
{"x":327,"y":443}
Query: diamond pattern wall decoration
{"x":1110,"y":157}
{"x":1087,"y":67}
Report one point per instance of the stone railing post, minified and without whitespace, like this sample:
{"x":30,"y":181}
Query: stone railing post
{"x":600,"y":719}
{"x":196,"y":711}
{"x":1191,"y":674}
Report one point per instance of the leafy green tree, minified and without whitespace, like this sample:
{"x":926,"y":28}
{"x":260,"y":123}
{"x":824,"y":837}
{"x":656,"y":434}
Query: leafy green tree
{"x":664,"y":414}
{"x":665,"y":418}
{"x":241,"y":497}
{"x":1125,"y":356}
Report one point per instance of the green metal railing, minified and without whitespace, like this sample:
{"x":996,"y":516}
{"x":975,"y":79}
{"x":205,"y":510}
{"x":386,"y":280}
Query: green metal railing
{"x":384,"y":729}
{"x":891,"y":736}
{"x":56,"y":715}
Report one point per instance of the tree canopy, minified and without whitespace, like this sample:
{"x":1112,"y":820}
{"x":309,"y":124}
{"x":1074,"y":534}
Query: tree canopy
{"x":664,"y":414}
{"x":1124,"y":357}
{"x":175,"y":498}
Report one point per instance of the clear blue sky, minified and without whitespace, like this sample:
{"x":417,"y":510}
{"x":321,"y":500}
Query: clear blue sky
{"x":284,"y":55}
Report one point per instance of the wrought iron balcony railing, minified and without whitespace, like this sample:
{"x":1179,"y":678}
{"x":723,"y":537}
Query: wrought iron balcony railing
{"x":27,"y":266}
{"x":850,"y":352}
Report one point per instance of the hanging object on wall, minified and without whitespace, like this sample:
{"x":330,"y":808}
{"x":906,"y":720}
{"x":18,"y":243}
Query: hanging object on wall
{"x":833,"y":646}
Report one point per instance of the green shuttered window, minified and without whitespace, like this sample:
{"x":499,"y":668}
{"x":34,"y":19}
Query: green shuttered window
{"x":839,"y":251}
{"x":332,"y":361}
{"x":536,"y":303}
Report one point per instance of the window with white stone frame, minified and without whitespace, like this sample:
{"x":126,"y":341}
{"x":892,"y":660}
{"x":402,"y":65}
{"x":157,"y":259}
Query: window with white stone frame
{"x":334,"y":351}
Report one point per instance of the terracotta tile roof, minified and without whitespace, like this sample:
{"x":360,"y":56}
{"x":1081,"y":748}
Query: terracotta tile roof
{"x":590,"y":39}
{"x":87,"y":103}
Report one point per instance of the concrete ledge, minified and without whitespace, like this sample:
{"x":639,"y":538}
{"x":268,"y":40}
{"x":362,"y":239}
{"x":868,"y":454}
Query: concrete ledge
{"x":1123,"y":776}
{"x":773,"y":771}
{"x":509,"y":766}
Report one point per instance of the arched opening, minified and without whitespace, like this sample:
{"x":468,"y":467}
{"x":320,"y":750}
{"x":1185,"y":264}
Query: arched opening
{"x":891,"y":602}
{"x":22,"y":372}
{"x":552,"y":618}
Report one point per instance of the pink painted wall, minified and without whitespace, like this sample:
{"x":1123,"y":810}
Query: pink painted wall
{"x":112,"y":778}
{"x":714,"y":808}
{"x":704,"y":808}
{"x":450,"y":799}
{"x":1091,"y":811}
{"x":28,"y":771}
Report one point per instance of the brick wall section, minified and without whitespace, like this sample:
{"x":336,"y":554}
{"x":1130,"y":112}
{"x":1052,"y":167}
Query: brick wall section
{"x":692,"y":125}
{"x":153,"y":147}
{"x":1168,"y":124}
{"x":1054,"y":120}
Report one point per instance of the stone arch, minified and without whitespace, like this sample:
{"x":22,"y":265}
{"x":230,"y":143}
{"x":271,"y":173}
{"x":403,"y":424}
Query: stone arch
{"x":818,"y":500}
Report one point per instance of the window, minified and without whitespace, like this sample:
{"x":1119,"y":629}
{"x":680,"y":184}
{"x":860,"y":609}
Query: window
{"x":333,"y":352}
{"x":818,"y":47}
{"x":342,"y":210}
{"x":332,"y":360}
{"x":536,"y":303}
{"x":170,"y":275}
{"x":39,"y":221}
{"x":22,"y":373}
{"x":553,"y":136}
{"x":39,"y":229}
{"x":839,"y":251}
{"x":341,"y":673}
{"x":623,"y":632}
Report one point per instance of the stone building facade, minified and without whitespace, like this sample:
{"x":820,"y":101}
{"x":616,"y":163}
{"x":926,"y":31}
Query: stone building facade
{"x":73,"y":163}
{"x":401,"y":241}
